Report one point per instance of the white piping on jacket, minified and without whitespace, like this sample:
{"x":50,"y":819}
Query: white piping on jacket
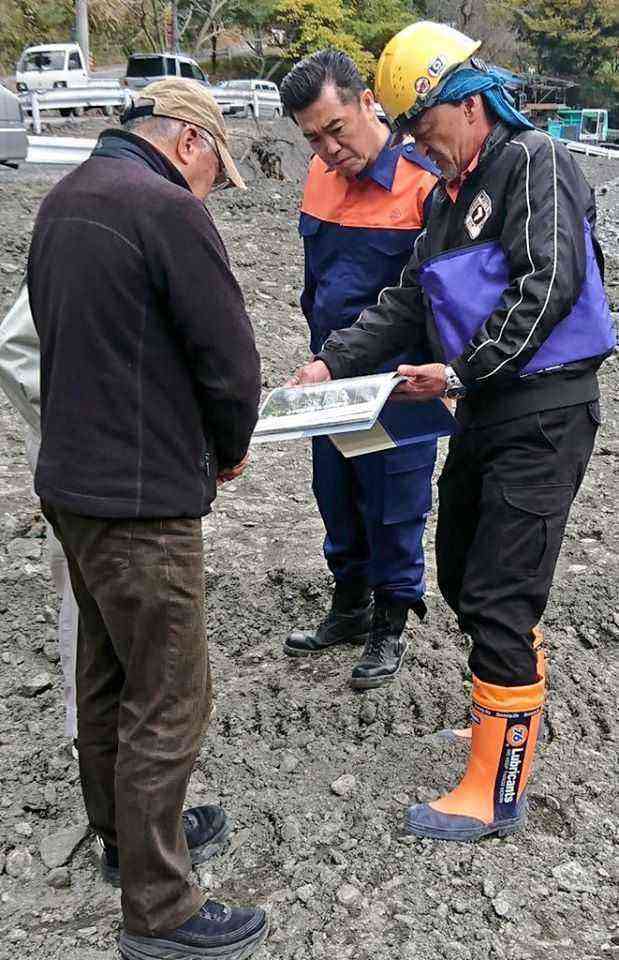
{"x":532,"y":271}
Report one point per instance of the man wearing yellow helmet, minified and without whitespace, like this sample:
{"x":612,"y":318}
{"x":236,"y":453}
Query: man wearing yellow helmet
{"x":505,"y":285}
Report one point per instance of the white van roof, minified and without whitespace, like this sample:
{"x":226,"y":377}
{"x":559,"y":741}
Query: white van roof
{"x":51,"y":46}
{"x":164,"y":53}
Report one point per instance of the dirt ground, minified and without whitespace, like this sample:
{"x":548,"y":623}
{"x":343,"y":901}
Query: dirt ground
{"x":330,"y":869}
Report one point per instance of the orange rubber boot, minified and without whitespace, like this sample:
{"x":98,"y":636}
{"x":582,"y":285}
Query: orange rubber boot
{"x":491,"y":797}
{"x":463,"y":734}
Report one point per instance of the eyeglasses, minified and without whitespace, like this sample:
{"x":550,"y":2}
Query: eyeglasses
{"x":222,"y":180}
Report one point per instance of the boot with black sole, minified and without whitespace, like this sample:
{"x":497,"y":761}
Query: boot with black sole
{"x":491,"y":798}
{"x":386,"y":645}
{"x":348,"y":622}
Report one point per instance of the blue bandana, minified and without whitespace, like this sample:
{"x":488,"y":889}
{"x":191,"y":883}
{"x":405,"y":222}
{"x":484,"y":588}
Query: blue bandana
{"x":466,"y":82}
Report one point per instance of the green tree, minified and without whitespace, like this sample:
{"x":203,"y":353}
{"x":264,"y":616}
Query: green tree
{"x":27,"y":22}
{"x":491,"y":21}
{"x":310,"y":25}
{"x":374,"y":22}
{"x":571,"y":37}
{"x":257,"y":18}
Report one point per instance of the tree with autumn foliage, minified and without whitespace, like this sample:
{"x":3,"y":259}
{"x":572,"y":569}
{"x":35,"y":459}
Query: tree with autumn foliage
{"x":310,"y":25}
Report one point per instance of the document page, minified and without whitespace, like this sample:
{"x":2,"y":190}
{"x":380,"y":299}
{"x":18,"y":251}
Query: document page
{"x":349,"y":404}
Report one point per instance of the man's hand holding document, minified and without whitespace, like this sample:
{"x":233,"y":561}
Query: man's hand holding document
{"x":359,"y":414}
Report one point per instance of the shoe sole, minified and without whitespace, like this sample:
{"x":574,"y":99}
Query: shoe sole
{"x":503,"y":829}
{"x":152,"y":948}
{"x":370,"y":683}
{"x":358,"y":641}
{"x":197,"y":855}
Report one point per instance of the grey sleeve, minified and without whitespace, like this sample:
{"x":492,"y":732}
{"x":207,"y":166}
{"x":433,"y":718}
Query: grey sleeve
{"x":20,"y":361}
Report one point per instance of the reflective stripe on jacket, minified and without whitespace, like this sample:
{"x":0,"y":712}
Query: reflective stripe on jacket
{"x":587,"y":330}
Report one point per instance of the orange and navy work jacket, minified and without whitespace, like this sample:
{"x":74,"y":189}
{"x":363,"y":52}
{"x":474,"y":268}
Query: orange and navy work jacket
{"x":359,"y":234}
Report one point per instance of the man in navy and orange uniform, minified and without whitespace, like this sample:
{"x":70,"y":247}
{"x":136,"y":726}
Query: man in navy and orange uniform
{"x":362,"y":210}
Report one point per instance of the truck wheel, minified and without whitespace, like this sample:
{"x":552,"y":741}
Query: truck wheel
{"x":65,"y":111}
{"x":78,"y":111}
{"x":108,"y":111}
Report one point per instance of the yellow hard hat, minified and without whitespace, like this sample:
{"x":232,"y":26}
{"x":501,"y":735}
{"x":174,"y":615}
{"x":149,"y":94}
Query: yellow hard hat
{"x":414,"y":65}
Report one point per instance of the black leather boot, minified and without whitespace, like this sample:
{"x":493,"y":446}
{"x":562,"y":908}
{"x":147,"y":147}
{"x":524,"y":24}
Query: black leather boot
{"x":385,"y":648}
{"x":348,"y":621}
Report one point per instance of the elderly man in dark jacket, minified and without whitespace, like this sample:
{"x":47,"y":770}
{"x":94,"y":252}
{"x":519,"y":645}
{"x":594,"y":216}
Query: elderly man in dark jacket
{"x":150,"y":383}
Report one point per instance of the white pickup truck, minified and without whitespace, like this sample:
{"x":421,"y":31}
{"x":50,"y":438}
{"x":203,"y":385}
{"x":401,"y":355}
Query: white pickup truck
{"x":51,"y":66}
{"x":54,"y":76}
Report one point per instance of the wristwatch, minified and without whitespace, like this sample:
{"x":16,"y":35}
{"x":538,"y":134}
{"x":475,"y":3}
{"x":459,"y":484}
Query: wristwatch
{"x":454,"y":388}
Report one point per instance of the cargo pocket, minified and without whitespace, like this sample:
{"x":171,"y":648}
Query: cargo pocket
{"x":391,"y":243}
{"x":595,"y":412}
{"x":533,"y":519}
{"x":407,"y":491}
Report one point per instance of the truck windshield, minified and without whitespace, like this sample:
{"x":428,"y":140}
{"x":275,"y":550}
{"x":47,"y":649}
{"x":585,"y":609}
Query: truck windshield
{"x":43,"y":60}
{"x":150,"y":67}
{"x":590,"y":123}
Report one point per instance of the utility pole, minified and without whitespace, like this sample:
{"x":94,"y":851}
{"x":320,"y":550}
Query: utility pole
{"x":174,"y":27}
{"x":81,"y":29}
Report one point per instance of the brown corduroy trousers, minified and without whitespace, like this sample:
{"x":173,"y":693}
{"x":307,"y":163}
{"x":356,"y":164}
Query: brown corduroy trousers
{"x":143,"y":698}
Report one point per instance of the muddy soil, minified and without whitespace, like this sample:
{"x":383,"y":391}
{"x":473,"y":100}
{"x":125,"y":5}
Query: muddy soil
{"x":330,"y":869}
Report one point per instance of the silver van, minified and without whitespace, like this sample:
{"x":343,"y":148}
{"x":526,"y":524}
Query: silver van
{"x":144,"y":68}
{"x":245,"y":98}
{"x":13,"y":136}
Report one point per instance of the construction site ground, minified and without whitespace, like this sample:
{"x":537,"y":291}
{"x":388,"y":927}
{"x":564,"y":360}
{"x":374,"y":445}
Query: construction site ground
{"x":329,"y":866}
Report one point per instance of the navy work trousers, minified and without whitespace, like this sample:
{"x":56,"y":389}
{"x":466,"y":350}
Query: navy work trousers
{"x":374,"y":510}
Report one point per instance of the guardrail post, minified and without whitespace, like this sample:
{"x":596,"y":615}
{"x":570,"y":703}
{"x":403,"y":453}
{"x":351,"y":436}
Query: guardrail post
{"x":36,"y":113}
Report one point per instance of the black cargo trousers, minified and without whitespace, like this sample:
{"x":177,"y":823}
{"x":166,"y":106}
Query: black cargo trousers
{"x":504,"y":498}
{"x":143,"y":698}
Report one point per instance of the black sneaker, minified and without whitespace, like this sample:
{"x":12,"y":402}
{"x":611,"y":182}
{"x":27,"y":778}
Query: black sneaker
{"x":215,"y":932}
{"x":206,"y":829}
{"x":348,"y":621}
{"x":385,"y":648}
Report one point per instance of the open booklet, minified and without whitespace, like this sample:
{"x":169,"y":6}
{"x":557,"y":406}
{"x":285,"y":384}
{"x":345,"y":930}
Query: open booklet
{"x":357,"y":414}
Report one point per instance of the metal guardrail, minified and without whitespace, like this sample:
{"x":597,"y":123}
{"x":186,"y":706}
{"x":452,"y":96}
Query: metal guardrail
{"x":105,"y":93}
{"x":589,"y":149}
{"x":67,"y":150}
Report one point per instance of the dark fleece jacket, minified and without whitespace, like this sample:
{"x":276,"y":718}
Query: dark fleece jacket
{"x":150,"y":378}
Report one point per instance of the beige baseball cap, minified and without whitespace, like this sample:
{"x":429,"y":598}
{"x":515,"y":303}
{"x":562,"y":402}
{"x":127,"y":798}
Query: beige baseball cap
{"x":190,"y":101}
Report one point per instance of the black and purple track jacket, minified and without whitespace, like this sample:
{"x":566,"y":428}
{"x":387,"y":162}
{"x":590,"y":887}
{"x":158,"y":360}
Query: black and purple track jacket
{"x":505,"y":284}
